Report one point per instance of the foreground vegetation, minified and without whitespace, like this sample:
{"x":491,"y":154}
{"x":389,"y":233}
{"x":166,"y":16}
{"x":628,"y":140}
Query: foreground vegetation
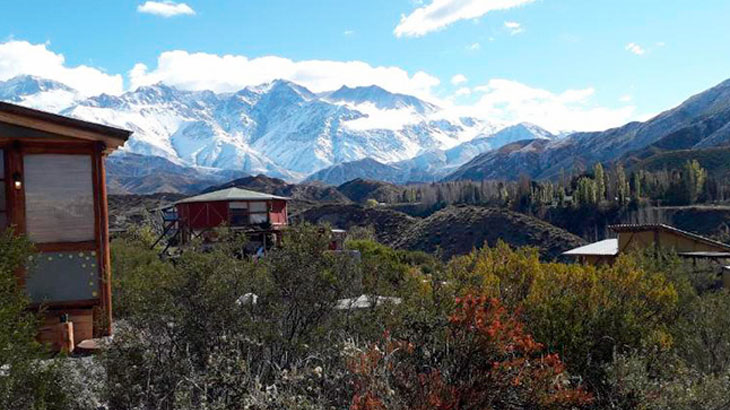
{"x":495,"y":329}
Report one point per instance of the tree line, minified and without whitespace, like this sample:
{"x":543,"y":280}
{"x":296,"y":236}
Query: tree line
{"x":615,"y":186}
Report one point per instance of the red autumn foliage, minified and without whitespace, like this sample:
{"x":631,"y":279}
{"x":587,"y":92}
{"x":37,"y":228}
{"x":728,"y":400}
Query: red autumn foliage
{"x":487,"y":361}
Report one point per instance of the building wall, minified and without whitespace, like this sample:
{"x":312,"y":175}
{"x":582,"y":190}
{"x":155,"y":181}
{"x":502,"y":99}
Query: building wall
{"x":278,"y":213}
{"x":667,"y":240}
{"x":203,"y":215}
{"x":597,"y":260}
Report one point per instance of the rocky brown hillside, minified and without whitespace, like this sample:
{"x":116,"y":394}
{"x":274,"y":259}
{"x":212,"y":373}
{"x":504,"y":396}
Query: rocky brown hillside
{"x":454,"y":230}
{"x":360,"y":190}
{"x":125,"y":210}
{"x":459,"y":229}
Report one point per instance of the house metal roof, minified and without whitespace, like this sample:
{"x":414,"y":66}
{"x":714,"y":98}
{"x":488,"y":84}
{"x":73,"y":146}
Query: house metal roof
{"x":231,"y":194}
{"x":667,"y":228}
{"x":607,"y":247}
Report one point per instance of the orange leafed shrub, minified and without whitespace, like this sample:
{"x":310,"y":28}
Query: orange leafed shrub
{"x":487,"y":361}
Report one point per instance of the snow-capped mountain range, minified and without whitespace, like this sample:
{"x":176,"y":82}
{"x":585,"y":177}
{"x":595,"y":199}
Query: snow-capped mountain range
{"x":280,"y":129}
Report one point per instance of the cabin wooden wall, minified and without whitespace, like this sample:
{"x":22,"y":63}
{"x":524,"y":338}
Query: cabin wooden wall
{"x":203,"y":215}
{"x":668,"y":240}
{"x":278,"y":212}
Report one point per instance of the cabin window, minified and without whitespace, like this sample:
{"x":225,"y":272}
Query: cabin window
{"x":239,"y":213}
{"x":259,"y":212}
{"x":3,"y":199}
{"x":258,"y":207}
{"x":259,"y":218}
{"x":59,"y":198}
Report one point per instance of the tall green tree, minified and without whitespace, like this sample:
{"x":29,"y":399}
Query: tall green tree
{"x":600,"y":177}
{"x":693,"y":180}
{"x":622,"y":185}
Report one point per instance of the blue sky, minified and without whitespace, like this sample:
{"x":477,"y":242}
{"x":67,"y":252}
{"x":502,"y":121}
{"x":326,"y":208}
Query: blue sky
{"x":574,"y":64}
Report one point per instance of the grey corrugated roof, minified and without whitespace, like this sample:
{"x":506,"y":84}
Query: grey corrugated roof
{"x":231,"y":194}
{"x":608,"y":247}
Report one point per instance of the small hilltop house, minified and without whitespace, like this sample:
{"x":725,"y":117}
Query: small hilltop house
{"x":653,"y":236}
{"x":255,"y":214}
{"x":54,"y":192}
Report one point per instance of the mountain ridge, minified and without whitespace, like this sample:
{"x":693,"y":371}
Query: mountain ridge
{"x":581,"y":150}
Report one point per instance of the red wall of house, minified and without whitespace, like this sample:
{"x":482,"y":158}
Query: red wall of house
{"x":203,"y":215}
{"x":277,"y":215}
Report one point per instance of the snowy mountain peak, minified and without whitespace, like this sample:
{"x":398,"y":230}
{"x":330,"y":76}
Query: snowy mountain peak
{"x":25,"y":85}
{"x":284,"y":89}
{"x":279,"y":128}
{"x":527,"y":130}
{"x":380,"y":98}
{"x":37,"y":92}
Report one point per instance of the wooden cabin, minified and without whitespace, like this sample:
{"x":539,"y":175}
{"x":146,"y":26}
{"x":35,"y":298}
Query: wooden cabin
{"x":651,"y":236}
{"x":55,"y":194}
{"x":254,"y":213}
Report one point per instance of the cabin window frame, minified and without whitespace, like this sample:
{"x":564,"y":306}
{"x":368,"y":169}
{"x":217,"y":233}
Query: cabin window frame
{"x":41,"y":230}
{"x":235,"y":210}
{"x":16,"y":150}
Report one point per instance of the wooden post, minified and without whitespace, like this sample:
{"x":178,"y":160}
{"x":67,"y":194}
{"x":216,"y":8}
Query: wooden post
{"x":106,"y":284}
{"x":66,"y":334}
{"x":16,"y":197}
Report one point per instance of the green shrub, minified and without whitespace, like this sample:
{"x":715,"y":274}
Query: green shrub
{"x":26,"y":380}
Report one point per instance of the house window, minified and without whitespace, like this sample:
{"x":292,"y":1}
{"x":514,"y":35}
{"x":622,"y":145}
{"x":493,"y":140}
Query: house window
{"x":259,"y":212}
{"x":239,"y":213}
{"x":59,"y":198}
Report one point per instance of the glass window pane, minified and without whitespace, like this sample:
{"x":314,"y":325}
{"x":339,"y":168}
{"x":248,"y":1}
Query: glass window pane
{"x":239,"y":217}
{"x":258,"y":206}
{"x":59,"y":200}
{"x":259,"y":218}
{"x":238,"y":205}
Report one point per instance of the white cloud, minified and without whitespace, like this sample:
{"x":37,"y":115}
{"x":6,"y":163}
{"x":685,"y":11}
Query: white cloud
{"x":441,"y":13}
{"x":462,"y":91}
{"x":348,"y":32}
{"x":203,"y":71}
{"x":513,"y":27}
{"x":626,"y":98}
{"x":24,"y":58}
{"x":474,"y":46}
{"x":573,"y":109}
{"x":635,"y":49}
{"x":458,"y":79}
{"x":165,"y":8}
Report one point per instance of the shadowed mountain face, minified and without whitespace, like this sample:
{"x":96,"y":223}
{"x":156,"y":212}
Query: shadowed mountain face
{"x":432,"y":165}
{"x":275,"y":186}
{"x":142,"y":174}
{"x":702,"y":121}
